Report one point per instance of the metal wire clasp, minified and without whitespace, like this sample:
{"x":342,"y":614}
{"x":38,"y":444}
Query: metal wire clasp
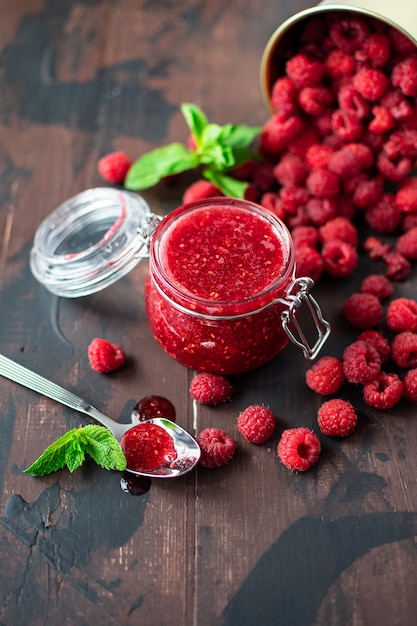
{"x":145,"y":233}
{"x":298,"y":294}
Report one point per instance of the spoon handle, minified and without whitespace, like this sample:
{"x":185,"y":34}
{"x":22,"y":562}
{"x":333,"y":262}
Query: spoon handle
{"x":26,"y":377}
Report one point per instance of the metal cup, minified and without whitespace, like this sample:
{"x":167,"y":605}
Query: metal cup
{"x":399,"y":15}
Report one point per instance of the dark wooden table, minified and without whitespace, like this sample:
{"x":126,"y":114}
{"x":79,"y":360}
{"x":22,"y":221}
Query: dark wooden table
{"x":247,"y":543}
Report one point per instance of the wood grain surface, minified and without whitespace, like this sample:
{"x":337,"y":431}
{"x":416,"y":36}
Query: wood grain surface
{"x":250,"y":542}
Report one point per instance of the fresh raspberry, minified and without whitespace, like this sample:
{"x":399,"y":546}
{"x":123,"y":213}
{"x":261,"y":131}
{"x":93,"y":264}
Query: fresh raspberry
{"x":376,"y":48}
{"x":217,"y":447}
{"x":298,"y":217}
{"x":263,"y":175}
{"x":340,"y":258}
{"x":346,"y":127}
{"x":339,"y":63}
{"x":397,"y":266}
{"x":346,"y":208}
{"x":339,"y":229}
{"x":318,"y":155}
{"x":398,"y":105}
{"x":292,"y":197}
{"x":404,"y":350}
{"x":383,"y":392}
{"x":308,"y":262}
{"x":302,"y":142}
{"x":208,"y":388}
{"x":326,"y":375}
{"x":147,"y":447}
{"x":305,"y":235}
{"x":404,"y":75}
{"x":345,"y":163}
{"x":384,"y":217}
{"x":401,"y":143}
{"x":378,"y":285}
{"x":394,"y":169}
{"x":113,"y":167}
{"x":337,"y":418}
{"x":406,"y":195}
{"x":382,"y":120}
{"x":104,"y":356}
{"x":371,"y":83}
{"x":361,"y":362}
{"x":278,"y":132}
{"x":375,"y":248}
{"x":323,"y":184}
{"x":298,"y":448}
{"x":315,"y":100}
{"x":323,"y":124}
{"x":304,"y":72}
{"x":271,"y":201}
{"x":290,"y":170}
{"x":407,"y":244}
{"x":362,"y":310}
{"x":410,"y":385}
{"x":363,"y":152}
{"x":284,"y":96}
{"x":199,"y":190}
{"x":402,"y":315}
{"x":409,"y":222}
{"x":349,"y":32}
{"x":378,"y":341}
{"x":351,"y":103}
{"x":400,"y":43}
{"x":321,"y":210}
{"x":256,"y":423}
{"x":368,"y":192}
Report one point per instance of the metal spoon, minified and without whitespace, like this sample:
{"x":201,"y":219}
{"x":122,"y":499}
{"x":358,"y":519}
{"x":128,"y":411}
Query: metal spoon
{"x":188,"y":450}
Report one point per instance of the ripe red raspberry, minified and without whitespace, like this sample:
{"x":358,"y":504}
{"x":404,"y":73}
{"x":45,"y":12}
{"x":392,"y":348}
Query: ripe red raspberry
{"x":256,"y":424}
{"x":263,"y":175}
{"x":339,"y":63}
{"x":337,"y":418}
{"x":199,"y":190}
{"x":345,"y":163}
{"x":315,"y":100}
{"x":352,"y":103}
{"x":378,"y":341}
{"x":383,"y":392}
{"x":402,"y":315}
{"x":340,"y":258}
{"x":382,"y":120}
{"x":271,"y":201}
{"x":339,"y":229}
{"x":292,"y":197}
{"x":308,"y":262}
{"x":378,"y":285}
{"x":407,"y":244}
{"x":397,"y":266}
{"x":208,"y":388}
{"x":368,"y":192}
{"x":394,"y":169}
{"x":400,"y":43}
{"x":321,"y":210}
{"x":361,"y":362}
{"x":375,"y":48}
{"x":326,"y":375}
{"x":346,"y":127}
{"x":217,"y":447}
{"x":384,"y":217}
{"x":398,"y":105}
{"x":375,"y":248}
{"x":104,"y":356}
{"x":410,"y":385}
{"x":409,"y":221}
{"x":290,"y":170}
{"x":305,"y":236}
{"x":113,"y":167}
{"x":371,"y":83}
{"x":362,"y":310}
{"x":298,"y":448}
{"x":348,"y":32}
{"x":404,"y":75}
{"x":302,"y":142}
{"x":318,"y":155}
{"x":304,"y":71}
{"x":406,"y":196}
{"x":284,"y":96}
{"x":322,"y":183}
{"x":278,"y":132}
{"x":404,"y":350}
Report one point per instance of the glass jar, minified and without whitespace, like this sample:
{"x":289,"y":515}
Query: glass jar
{"x":221,"y":293}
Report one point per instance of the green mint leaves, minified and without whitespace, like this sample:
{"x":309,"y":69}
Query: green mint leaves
{"x":70,"y":450}
{"x":218,"y":149}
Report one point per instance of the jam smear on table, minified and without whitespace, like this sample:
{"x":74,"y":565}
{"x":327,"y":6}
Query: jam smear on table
{"x":135,"y":485}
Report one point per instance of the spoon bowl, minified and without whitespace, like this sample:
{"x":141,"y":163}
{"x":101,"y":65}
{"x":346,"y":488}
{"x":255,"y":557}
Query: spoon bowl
{"x":186,"y":448}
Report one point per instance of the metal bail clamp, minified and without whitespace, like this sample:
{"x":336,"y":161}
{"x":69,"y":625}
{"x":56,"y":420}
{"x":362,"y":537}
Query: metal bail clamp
{"x":298,"y":294}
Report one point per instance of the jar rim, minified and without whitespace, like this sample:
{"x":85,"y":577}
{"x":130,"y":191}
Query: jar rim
{"x":219,"y":308}
{"x":89,"y":241}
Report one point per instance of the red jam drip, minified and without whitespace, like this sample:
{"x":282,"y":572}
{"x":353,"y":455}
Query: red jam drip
{"x":147,"y":447}
{"x":221,"y":253}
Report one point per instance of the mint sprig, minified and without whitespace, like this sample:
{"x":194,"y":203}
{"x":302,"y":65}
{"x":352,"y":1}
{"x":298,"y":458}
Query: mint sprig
{"x":218,"y":149}
{"x":70,"y":451}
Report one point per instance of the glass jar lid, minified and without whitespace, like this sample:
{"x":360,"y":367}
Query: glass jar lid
{"x":91,"y":240}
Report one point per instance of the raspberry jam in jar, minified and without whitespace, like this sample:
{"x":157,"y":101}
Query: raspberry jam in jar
{"x":221,"y":294}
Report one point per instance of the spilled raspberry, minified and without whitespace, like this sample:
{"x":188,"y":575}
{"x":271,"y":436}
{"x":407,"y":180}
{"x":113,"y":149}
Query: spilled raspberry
{"x":326,"y":375}
{"x":217,"y":447}
{"x":383,"y":392}
{"x":337,"y":418}
{"x":361,"y":362}
{"x":299,"y":448}
{"x":208,"y":388}
{"x":256,"y":424}
{"x":104,"y":356}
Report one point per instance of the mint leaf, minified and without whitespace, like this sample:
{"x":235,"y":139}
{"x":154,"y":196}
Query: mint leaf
{"x":238,"y":136}
{"x":70,"y":449}
{"x":195,"y":119}
{"x":149,"y":169}
{"x":228,"y":186}
{"x":104,"y":448}
{"x":221,"y":157}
